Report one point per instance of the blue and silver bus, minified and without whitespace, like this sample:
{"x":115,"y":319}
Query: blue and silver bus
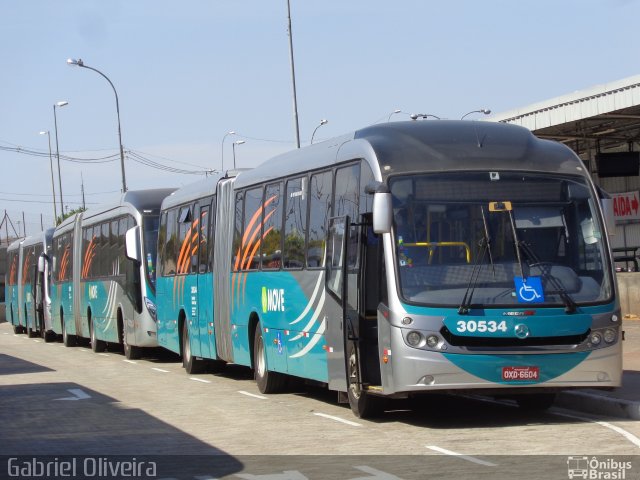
{"x":28,"y":285}
{"x":103,"y":290}
{"x":401,"y":259}
{"x":12,"y":287}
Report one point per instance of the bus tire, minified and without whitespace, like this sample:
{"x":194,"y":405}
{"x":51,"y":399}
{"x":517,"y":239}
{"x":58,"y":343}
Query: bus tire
{"x":67,"y":340}
{"x":537,"y":402}
{"x":131,"y":352}
{"x":363,"y":404}
{"x":17,"y":329}
{"x":268,"y":382}
{"x":190,"y":363}
{"x":96,"y":345}
{"x":31,"y":333}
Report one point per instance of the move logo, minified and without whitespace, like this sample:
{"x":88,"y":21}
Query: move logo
{"x":272,"y":300}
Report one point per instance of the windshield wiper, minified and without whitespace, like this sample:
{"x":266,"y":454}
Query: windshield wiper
{"x":484,"y":247}
{"x":465,"y":305}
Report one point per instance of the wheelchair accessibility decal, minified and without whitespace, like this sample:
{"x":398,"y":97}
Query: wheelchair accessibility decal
{"x":529,"y":290}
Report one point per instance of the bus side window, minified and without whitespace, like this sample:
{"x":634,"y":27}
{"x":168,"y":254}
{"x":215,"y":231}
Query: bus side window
{"x":203,"y":237}
{"x":295,"y":223}
{"x":320,"y":194}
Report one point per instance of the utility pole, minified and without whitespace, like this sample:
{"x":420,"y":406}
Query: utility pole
{"x":293,"y":76}
{"x":24,"y":225}
{"x":82,"y":190}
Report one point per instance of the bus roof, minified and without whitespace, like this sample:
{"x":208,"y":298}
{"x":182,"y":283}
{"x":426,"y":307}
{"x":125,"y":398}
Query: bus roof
{"x":41,"y":237}
{"x":199,"y":189}
{"x":424,"y":146}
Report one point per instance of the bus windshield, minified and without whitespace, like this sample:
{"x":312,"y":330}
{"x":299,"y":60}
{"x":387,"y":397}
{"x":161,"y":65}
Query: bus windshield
{"x":150,"y":240}
{"x":498,"y":239}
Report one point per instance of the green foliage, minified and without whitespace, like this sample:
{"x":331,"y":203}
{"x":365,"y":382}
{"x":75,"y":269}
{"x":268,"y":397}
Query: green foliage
{"x":69,"y":213}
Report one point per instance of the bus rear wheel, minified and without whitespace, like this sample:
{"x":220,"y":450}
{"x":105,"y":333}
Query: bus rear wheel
{"x":96,"y":345}
{"x":268,"y":382}
{"x":363,"y":404}
{"x":191,"y":364}
{"x":67,"y":340}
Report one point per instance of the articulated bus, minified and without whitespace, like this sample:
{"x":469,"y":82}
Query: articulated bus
{"x":402,"y":259}
{"x":28,"y":285}
{"x":101,"y":289}
{"x":12,"y":287}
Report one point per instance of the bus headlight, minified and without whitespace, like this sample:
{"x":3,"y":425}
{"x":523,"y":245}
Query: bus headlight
{"x":432,"y":341}
{"x":151,"y":308}
{"x":595,"y":339}
{"x":609,"y":335}
{"x":414,"y":338}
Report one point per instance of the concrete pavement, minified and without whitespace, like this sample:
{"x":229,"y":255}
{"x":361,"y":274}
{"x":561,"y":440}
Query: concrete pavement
{"x":621,"y":402}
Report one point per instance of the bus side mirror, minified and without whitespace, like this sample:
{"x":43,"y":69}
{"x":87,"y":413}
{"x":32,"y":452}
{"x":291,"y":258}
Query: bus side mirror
{"x":382,"y":212}
{"x":606,"y":204}
{"x":382,"y":207}
{"x":132,"y":244}
{"x":41,"y":264}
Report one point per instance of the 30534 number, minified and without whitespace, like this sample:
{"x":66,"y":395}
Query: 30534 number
{"x":481,"y":326}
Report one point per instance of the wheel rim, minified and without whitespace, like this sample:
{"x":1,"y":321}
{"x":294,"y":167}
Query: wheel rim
{"x":260,"y":361}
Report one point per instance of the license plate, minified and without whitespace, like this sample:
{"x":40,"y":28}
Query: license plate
{"x":520,"y":373}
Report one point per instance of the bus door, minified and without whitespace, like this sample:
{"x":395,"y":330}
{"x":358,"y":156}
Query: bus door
{"x":355,"y":282}
{"x":205,"y":283}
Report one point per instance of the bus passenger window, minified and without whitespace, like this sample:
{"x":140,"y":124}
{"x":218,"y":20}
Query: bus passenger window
{"x":320,"y":193}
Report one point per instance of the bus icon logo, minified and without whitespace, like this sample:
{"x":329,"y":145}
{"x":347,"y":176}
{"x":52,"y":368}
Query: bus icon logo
{"x":578,"y":467}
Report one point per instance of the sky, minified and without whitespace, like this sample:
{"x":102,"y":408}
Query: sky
{"x":188,"y":72}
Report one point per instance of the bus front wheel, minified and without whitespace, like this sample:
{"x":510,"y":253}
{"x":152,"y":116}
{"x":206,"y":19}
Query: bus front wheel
{"x":268,"y":382}
{"x":191,"y":364}
{"x":68,"y":340}
{"x":363,"y":404}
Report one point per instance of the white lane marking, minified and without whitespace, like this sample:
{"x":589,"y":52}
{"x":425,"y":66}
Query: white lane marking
{"x":104,"y":354}
{"x":5,"y":333}
{"x":376,"y":474}
{"x":130,"y":361}
{"x":628,"y":435}
{"x":460,"y":455}
{"x":37,"y":341}
{"x":338,"y":419}
{"x":159,"y":370}
{"x":199,"y":380}
{"x":252,"y":395}
{"x":77,"y":395}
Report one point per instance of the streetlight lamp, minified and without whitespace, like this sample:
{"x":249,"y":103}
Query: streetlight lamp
{"x":393,"y":113}
{"x":55,"y":123}
{"x":485,"y":111}
{"x":415,"y":116}
{"x":53,"y":188}
{"x":324,"y":121}
{"x":237,"y":142}
{"x":230,"y":132}
{"x":80,"y":63}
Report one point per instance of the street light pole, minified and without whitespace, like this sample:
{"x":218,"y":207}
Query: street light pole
{"x":486,"y":111}
{"x":322,"y":122}
{"x":293,"y":75}
{"x":230,"y":132}
{"x":53,"y":188}
{"x":80,"y":63}
{"x":237,"y":142}
{"x":55,"y":123}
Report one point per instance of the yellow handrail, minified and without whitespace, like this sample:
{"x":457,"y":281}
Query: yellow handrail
{"x":433,"y":245}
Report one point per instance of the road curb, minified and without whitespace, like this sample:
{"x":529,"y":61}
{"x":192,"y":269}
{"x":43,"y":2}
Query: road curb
{"x":599,"y":404}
